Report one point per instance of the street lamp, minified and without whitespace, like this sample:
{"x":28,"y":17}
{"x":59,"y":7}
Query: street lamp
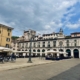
{"x":30,"y":39}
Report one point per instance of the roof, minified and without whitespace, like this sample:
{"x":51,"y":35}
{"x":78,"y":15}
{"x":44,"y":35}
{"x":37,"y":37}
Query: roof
{"x":50,"y":34}
{"x":76,"y":33}
{"x":6,"y":26}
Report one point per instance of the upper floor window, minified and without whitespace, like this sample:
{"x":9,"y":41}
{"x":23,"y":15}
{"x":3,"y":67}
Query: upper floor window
{"x":26,"y":45}
{"x":8,"y":39}
{"x":48,"y":42}
{"x":67,"y":43}
{"x":54,"y":43}
{"x":7,"y":45}
{"x":75,"y":40}
{"x":22,"y":45}
{"x":0,"y":31}
{"x":43,"y":42}
{"x":60,"y":43}
{"x":75,"y":35}
{"x":9,"y":30}
{"x":8,"y":34}
{"x":34,"y":44}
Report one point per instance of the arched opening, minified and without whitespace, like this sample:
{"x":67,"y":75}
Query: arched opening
{"x":61,"y":50}
{"x":20,"y":55}
{"x":34,"y":54}
{"x":76,"y":53}
{"x":69,"y":52}
{"x":34,"y":50}
{"x":38,"y":54}
{"x":43,"y":54}
{"x":61,"y":55}
{"x":38,"y":50}
{"x":54,"y":49}
{"x":43,"y":50}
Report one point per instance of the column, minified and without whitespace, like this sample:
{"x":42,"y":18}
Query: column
{"x":72,"y":53}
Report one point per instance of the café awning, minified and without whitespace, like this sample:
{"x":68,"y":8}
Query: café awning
{"x":3,"y":49}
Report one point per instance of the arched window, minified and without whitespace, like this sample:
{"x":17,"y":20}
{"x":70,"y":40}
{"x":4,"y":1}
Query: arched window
{"x":38,"y":50}
{"x":34,"y":50}
{"x":61,"y":50}
{"x":43,"y":50}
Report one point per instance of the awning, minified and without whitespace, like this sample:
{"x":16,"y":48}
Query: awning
{"x":20,"y":51}
{"x":52,"y":51}
{"x":3,"y":49}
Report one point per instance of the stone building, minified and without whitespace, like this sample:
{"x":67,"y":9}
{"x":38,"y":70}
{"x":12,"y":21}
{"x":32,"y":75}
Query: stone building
{"x":54,"y":41}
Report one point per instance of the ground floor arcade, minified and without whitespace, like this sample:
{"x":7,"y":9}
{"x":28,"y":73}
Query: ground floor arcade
{"x":72,"y":52}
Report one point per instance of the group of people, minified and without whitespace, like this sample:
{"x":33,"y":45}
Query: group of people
{"x":11,"y":57}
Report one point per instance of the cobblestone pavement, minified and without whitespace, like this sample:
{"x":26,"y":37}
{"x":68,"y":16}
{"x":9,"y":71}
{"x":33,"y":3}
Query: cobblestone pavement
{"x":22,"y":62}
{"x":58,"y":70}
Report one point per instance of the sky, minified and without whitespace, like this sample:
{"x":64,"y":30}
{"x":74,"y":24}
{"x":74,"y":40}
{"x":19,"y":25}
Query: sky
{"x":43,"y":16}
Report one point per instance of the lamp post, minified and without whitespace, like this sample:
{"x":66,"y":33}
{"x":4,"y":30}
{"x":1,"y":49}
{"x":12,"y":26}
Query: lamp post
{"x":31,"y":37}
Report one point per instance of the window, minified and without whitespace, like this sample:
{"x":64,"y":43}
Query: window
{"x":43,"y":50}
{"x":0,"y":31}
{"x":75,"y":42}
{"x":67,"y":43}
{"x":8,"y":34}
{"x":48,"y":43}
{"x":38,"y":44}
{"x":43,"y":42}
{"x":60,"y":43}
{"x":38,"y":50}
{"x":7,"y":45}
{"x":22,"y":45}
{"x":75,"y":35}
{"x":8,"y":39}
{"x":43,"y":45}
{"x":34,"y":44}
{"x":54,"y":43}
{"x":9,"y":30}
{"x":34,"y":50}
{"x":26,"y":45}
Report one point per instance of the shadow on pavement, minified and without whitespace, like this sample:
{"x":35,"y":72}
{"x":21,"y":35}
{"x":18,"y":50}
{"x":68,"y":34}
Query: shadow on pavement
{"x":71,"y":74}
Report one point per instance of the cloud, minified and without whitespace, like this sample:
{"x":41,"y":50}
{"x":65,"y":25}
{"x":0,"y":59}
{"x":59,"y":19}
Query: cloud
{"x":73,"y":25}
{"x":40,"y":15}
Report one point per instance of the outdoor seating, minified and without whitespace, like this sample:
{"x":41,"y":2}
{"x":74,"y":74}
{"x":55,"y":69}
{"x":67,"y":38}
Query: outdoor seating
{"x":1,"y":59}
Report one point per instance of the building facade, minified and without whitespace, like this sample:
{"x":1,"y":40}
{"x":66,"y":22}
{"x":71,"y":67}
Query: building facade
{"x":5,"y":35}
{"x":54,"y":41}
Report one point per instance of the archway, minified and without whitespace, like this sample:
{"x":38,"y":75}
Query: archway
{"x":34,"y":54}
{"x":61,"y":50}
{"x":76,"y":53}
{"x":61,"y":55}
{"x":38,"y":54}
{"x":43,"y":54}
{"x":69,"y":52}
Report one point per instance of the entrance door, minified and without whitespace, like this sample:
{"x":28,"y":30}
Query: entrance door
{"x":69,"y":52}
{"x":76,"y":53}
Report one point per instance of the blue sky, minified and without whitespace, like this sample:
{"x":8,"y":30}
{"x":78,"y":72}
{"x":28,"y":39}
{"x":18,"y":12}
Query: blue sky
{"x":44,"y":16}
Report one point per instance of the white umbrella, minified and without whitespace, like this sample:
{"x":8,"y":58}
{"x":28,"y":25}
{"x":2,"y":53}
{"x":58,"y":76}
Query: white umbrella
{"x":63,"y":53}
{"x":21,"y":51}
{"x":51,"y":51}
